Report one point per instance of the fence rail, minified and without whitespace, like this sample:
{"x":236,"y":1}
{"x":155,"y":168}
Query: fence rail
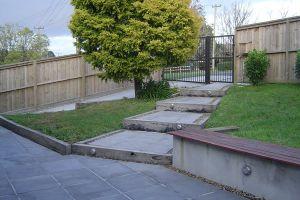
{"x":30,"y":85}
{"x":280,"y":39}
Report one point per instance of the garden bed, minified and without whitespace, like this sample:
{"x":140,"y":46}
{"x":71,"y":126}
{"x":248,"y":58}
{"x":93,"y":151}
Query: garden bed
{"x":269,"y":113}
{"x":84,"y":123}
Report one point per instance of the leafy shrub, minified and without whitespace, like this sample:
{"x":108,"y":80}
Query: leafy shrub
{"x":153,"y":90}
{"x":256,"y":65}
{"x":297,"y":67}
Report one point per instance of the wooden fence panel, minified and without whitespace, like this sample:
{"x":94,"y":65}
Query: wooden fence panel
{"x":280,"y":39}
{"x":31,"y":85}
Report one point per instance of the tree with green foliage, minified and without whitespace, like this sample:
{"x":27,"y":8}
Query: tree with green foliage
{"x":297,"y":67}
{"x":256,"y":64}
{"x":21,"y":44}
{"x":130,"y":39}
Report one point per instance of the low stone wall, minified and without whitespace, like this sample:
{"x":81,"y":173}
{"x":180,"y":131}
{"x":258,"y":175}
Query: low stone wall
{"x":263,"y":178}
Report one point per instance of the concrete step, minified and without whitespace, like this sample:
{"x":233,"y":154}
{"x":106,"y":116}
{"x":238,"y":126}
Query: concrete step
{"x":210,"y":90}
{"x":165,"y":121}
{"x":189,"y":104}
{"x":129,"y":145}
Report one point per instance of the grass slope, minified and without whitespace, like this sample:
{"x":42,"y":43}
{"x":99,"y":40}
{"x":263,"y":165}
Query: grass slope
{"x":269,"y":113}
{"x":84,"y":123}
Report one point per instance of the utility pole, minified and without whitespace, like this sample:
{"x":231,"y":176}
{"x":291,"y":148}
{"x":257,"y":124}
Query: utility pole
{"x":215,"y":7}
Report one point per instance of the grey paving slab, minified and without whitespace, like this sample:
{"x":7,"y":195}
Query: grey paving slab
{"x":59,"y":177}
{"x":91,"y":162}
{"x":18,"y":161}
{"x":165,"y":121}
{"x":209,"y":90}
{"x":151,"y":142}
{"x":220,"y":194}
{"x":130,"y":182}
{"x":192,"y":190}
{"x":91,"y":190}
{"x":112,"y":170}
{"x":9,"y":197}
{"x":189,"y":104}
{"x":34,"y":183}
{"x":21,"y":172}
{"x":2,"y":171}
{"x":75,"y":177}
{"x":5,"y":187}
{"x":114,"y":197}
{"x":156,"y":192}
{"x":48,"y":194}
{"x":64,"y":165}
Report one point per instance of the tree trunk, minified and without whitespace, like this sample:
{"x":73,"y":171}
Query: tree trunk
{"x":137,"y":86}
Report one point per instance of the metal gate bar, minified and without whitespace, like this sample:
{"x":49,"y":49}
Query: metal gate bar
{"x":206,"y":66}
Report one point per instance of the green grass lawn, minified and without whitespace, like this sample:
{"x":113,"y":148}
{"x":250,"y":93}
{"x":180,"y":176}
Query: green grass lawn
{"x":269,"y":113}
{"x":84,"y":123}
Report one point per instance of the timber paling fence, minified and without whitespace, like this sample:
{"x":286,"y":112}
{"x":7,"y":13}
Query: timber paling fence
{"x":281,"y":41}
{"x":36,"y":84}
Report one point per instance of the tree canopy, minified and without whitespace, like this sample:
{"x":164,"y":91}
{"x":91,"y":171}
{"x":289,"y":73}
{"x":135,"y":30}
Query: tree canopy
{"x":21,"y":44}
{"x":131,"y":39}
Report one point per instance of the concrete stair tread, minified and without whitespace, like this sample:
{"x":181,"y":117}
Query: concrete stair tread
{"x":129,"y":145}
{"x":189,"y":104}
{"x":132,"y":140}
{"x":213,"y":90}
{"x":164,"y":121}
{"x":192,"y":100}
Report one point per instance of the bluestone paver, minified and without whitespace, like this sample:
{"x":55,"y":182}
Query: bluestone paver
{"x":47,"y":194}
{"x":112,"y":170}
{"x":9,"y":197}
{"x":53,"y":176}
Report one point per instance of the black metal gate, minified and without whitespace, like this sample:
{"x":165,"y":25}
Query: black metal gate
{"x":213,"y":62}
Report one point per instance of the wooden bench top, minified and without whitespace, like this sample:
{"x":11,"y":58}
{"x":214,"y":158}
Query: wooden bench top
{"x":252,"y":147}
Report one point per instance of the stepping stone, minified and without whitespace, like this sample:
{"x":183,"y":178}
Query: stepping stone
{"x":165,"y":121}
{"x":209,"y":90}
{"x":189,"y":104}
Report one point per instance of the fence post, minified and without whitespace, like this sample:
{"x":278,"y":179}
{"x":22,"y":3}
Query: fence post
{"x":207,"y":59}
{"x":287,"y":49}
{"x":35,"y":96}
{"x":83,"y":74}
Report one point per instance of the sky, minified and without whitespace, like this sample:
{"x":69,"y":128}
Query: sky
{"x":53,"y":16}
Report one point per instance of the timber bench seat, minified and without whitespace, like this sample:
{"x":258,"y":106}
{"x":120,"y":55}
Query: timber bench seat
{"x":265,"y":170}
{"x":256,"y":148}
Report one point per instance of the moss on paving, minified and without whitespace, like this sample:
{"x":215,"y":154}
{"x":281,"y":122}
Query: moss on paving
{"x":84,"y":123}
{"x":269,"y":113}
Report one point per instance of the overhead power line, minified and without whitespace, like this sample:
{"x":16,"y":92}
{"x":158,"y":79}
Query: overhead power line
{"x":58,"y":8}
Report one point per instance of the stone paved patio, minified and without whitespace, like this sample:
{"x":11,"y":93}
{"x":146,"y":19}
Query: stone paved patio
{"x":29,"y":171}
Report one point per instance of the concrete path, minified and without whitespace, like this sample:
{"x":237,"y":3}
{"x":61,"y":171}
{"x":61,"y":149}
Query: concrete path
{"x":31,"y":172}
{"x":71,"y":106}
